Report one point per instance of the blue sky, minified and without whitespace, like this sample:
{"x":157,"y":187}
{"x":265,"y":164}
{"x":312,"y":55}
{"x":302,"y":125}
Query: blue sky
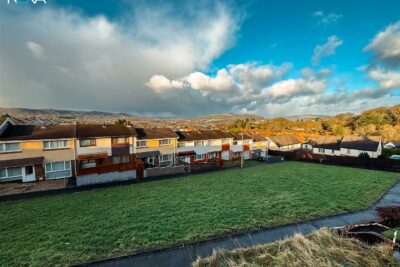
{"x":183,"y":58}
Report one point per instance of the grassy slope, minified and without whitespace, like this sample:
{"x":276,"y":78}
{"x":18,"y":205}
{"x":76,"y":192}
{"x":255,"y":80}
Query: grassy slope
{"x":84,"y":226}
{"x":321,"y":248}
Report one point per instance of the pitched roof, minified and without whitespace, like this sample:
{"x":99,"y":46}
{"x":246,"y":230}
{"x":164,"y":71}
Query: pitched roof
{"x":284,"y":140}
{"x":259,"y":138}
{"x":328,"y":142}
{"x":238,"y":136}
{"x":202,"y":135}
{"x":32,"y":132}
{"x":98,"y":130}
{"x":367,"y":143}
{"x":155,"y":133}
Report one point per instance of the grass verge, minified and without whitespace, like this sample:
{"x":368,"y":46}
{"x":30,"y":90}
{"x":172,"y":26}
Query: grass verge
{"x":84,"y":226}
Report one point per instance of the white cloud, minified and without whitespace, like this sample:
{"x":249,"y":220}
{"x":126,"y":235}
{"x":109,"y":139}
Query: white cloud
{"x":386,"y":79}
{"x":386,"y":45}
{"x":35,"y":48}
{"x":327,"y":18}
{"x":293,"y":88}
{"x":327,"y":49}
{"x":95,"y":63}
{"x":160,"y":83}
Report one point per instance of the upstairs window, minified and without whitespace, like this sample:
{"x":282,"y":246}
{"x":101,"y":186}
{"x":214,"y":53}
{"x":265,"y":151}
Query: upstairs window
{"x":321,"y":150}
{"x":87,"y":142}
{"x":165,"y":142}
{"x":142,"y":143}
{"x":225,"y":141}
{"x":56,"y":144}
{"x":348,"y":151}
{"x":180,"y":144}
{"x":199,"y":143}
{"x":120,"y":140}
{"x":10,"y":147}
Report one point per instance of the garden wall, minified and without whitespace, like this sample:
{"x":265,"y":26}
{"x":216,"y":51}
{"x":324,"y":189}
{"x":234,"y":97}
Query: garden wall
{"x":153,"y":172}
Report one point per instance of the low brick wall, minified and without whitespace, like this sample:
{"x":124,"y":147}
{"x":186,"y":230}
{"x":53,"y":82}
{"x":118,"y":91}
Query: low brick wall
{"x":105,"y":177}
{"x":153,"y":172}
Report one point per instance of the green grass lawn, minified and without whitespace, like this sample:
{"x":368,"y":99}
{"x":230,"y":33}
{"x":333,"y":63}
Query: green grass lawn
{"x":390,"y":234}
{"x":84,"y":226}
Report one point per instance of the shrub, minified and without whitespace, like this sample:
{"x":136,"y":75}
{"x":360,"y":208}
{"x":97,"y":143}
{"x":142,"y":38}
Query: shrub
{"x":390,"y":215}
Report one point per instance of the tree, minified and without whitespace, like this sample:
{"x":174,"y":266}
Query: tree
{"x":364,"y":155}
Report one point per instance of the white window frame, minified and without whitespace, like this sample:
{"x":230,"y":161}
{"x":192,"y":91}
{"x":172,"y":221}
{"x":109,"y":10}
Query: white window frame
{"x":225,"y":141}
{"x":65,"y":144}
{"x":66,"y":163}
{"x":92,"y":140}
{"x":168,"y":142}
{"x":181,"y":144}
{"x":321,"y":150}
{"x":169,"y":157}
{"x":199,"y":143}
{"x":7,"y":177}
{"x":119,"y":140}
{"x":139,"y":143}
{"x":200,"y":156}
{"x":348,"y":151}
{"x":3,"y":147}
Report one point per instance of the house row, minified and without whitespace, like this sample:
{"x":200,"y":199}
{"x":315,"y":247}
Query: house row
{"x":350,"y":146}
{"x":105,"y":153}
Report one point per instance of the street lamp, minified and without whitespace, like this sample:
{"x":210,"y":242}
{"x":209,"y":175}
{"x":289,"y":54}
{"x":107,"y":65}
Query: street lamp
{"x":241,"y":158}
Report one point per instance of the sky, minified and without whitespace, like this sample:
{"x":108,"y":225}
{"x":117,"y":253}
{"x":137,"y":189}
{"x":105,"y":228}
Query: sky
{"x":190,"y":58}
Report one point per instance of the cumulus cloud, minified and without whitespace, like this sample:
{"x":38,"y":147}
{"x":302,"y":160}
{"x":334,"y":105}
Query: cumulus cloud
{"x":386,"y":79}
{"x":160,"y":83}
{"x":386,"y":45}
{"x":96,"y":63}
{"x":295,"y":87}
{"x":327,"y":49}
{"x":327,"y":18}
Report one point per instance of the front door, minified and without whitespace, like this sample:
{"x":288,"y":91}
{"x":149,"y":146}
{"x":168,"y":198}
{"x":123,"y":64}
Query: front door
{"x":29,"y":175}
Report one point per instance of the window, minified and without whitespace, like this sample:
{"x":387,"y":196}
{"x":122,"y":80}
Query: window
{"x":235,"y":143}
{"x":166,"y":157}
{"x":348,"y":151}
{"x":180,"y":144}
{"x":120,"y":159}
{"x":200,"y":156}
{"x":57,"y":144}
{"x":11,"y":173}
{"x":165,"y":142}
{"x":212,"y":155}
{"x":321,"y":150}
{"x":333,"y":151}
{"x":141,"y":143}
{"x":198,"y":143}
{"x":87,"y":142}
{"x":150,"y":161}
{"x":120,"y":140}
{"x":90,"y":163}
{"x":214,"y":142}
{"x":57,"y":170}
{"x":10,"y":147}
{"x":225,"y":141}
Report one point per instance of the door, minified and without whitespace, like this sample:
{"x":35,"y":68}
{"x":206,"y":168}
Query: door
{"x":29,"y":175}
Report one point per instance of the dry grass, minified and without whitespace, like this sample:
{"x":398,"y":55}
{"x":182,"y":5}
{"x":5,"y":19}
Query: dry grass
{"x":321,"y":248}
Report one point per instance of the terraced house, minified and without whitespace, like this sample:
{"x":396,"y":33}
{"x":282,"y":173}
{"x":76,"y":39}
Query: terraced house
{"x":32,"y":153}
{"x":195,"y":147}
{"x":156,"y":147}
{"x":241,"y":145}
{"x":104,"y":153}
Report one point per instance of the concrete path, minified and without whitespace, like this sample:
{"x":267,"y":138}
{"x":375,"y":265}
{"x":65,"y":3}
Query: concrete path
{"x":185,"y":255}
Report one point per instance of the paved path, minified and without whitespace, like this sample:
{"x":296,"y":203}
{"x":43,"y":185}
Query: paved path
{"x":185,"y":255}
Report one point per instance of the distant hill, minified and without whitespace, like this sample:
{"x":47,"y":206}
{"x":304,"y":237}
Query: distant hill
{"x":27,"y":112}
{"x":228,"y":117}
{"x":306,"y":117}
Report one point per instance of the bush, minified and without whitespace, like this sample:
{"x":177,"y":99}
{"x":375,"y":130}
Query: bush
{"x":364,"y":155}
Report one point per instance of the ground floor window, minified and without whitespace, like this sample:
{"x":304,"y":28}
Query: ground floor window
{"x":166,"y":160}
{"x":236,"y":154}
{"x":212,"y":155}
{"x":200,"y":156}
{"x":11,"y":173}
{"x":57,"y":170}
{"x":120,"y":159}
{"x":85,"y":164}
